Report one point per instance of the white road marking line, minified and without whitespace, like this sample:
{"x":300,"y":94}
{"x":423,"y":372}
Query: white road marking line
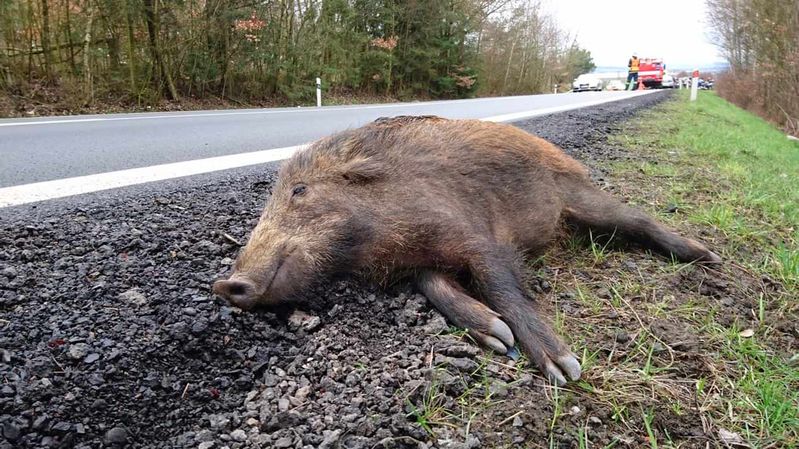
{"x":59,"y":188}
{"x":546,"y":111}
{"x":173,"y":116}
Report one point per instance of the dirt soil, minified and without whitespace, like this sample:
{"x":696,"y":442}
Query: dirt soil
{"x":110,"y":337}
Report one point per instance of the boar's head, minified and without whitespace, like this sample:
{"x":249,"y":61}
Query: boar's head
{"x":317,"y":223}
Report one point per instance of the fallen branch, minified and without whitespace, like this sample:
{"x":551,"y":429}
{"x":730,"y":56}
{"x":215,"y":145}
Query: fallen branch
{"x":13,"y":52}
{"x":185,"y":391}
{"x":231,"y":238}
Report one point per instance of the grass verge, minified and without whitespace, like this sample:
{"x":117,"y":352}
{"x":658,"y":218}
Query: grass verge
{"x":735,"y":179}
{"x":674,"y":355}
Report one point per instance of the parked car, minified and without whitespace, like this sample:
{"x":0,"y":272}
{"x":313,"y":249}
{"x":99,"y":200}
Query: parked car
{"x":668,"y":82}
{"x":586,"y":82}
{"x":615,"y":85}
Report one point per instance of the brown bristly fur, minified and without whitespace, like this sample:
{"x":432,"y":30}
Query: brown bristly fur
{"x":452,"y":202}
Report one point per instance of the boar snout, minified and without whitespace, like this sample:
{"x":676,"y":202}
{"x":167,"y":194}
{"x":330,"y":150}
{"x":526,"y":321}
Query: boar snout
{"x":251,"y":285}
{"x":241,"y":292}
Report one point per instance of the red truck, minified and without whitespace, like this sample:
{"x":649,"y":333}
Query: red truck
{"x":651,"y":71}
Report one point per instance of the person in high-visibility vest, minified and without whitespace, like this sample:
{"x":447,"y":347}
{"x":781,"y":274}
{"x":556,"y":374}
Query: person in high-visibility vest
{"x":632,"y":72}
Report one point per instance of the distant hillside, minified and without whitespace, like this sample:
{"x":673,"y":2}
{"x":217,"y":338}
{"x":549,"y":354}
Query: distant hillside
{"x":610,"y":69}
{"x":713,"y":67}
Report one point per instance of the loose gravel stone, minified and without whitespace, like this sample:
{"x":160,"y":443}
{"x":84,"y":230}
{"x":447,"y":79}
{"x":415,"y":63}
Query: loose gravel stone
{"x":283,"y":442}
{"x":462,"y":351}
{"x":238,"y":435}
{"x":10,"y":431}
{"x":622,"y":336}
{"x":134,"y":296}
{"x":116,"y":435}
{"x":218,"y":421}
{"x":436,"y":326}
{"x":62,"y":427}
{"x":330,"y":438}
{"x":78,"y":351}
{"x":465,"y":365}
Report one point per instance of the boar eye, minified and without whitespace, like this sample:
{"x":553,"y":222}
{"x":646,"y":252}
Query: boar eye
{"x":298,"y":190}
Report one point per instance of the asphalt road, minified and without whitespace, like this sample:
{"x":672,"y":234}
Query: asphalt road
{"x":43,"y":149}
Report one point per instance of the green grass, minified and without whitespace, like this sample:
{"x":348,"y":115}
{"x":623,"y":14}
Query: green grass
{"x":785,"y":260}
{"x":649,"y":416}
{"x":429,"y":412}
{"x":736,"y":175}
{"x":759,"y":168}
{"x":766,"y":391}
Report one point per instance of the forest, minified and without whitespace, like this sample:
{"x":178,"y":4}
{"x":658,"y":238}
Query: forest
{"x":760,"y":40}
{"x":81,"y":55}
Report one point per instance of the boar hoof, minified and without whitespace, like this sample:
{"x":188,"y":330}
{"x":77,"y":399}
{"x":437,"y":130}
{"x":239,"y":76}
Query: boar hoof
{"x":502,"y":331}
{"x":712,"y":257}
{"x":490,"y":342}
{"x":570,"y":366}
{"x":500,"y":337}
{"x":566,"y":364}
{"x":554,"y":374}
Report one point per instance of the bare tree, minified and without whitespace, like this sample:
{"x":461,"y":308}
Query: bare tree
{"x":760,"y":40}
{"x":87,"y":65}
{"x":247,"y":51}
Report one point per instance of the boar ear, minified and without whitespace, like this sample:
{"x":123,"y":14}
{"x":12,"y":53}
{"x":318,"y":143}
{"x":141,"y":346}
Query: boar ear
{"x":362,"y":170}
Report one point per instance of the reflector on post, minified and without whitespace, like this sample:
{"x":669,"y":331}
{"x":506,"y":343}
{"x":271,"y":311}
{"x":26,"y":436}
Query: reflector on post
{"x":318,"y":92}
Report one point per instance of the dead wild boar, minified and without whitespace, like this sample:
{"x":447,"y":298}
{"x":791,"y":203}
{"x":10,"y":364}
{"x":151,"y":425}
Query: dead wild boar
{"x":454,"y":205}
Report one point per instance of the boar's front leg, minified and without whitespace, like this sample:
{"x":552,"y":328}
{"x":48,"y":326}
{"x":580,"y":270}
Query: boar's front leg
{"x":498,"y":276}
{"x":464,"y":311}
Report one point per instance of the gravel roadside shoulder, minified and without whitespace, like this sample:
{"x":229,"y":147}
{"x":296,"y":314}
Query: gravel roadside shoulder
{"x":109,"y":336}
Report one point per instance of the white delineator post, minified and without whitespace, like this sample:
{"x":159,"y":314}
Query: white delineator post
{"x":318,"y":92}
{"x":694,"y":84}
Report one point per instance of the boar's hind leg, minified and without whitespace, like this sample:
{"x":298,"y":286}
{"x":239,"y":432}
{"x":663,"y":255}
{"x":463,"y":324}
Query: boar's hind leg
{"x":466,"y":312}
{"x":499,"y":279}
{"x":599,"y":211}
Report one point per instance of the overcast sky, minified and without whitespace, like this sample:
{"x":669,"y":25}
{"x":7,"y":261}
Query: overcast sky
{"x":674,"y":30}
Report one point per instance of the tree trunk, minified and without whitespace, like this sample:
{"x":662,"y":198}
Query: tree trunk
{"x":87,"y":66}
{"x":72,"y":64}
{"x":390,"y":70}
{"x":131,"y":50}
{"x":48,"y":58}
{"x":113,"y":53}
{"x":507,"y":69}
{"x":30,"y":40}
{"x":151,"y":16}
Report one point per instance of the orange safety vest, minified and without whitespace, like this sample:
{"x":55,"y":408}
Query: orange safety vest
{"x":634,"y":65}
